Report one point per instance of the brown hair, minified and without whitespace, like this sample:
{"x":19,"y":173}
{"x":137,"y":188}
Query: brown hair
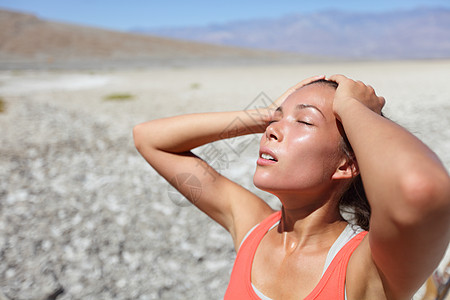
{"x":354,"y":200}
{"x":353,"y":203}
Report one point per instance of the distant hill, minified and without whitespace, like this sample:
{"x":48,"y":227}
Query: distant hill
{"x":29,"y":42}
{"x":413,"y":34}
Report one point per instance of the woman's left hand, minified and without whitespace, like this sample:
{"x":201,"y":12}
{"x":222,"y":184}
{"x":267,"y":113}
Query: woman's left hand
{"x":349,"y":89}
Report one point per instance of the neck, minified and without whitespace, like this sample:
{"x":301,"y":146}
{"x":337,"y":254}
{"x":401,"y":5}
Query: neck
{"x":313,"y":222}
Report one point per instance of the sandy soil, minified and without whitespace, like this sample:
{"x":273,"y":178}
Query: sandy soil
{"x":83,"y":217}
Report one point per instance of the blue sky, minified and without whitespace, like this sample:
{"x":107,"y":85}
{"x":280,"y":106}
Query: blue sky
{"x":124,"y":15}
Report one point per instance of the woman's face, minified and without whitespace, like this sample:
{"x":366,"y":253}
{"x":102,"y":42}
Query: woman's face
{"x":300,"y":149}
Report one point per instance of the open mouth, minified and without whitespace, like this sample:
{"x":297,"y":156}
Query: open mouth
{"x":268,"y":157}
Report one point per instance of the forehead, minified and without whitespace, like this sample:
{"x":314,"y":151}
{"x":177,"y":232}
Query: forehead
{"x":320,"y":95}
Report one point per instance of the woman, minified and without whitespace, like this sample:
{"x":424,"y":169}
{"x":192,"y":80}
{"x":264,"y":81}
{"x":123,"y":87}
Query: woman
{"x":307,"y":250}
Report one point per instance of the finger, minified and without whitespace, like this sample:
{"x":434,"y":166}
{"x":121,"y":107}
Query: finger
{"x":290,"y":91}
{"x":311,"y":79}
{"x":371,"y":89}
{"x":338,"y":78}
{"x":360,"y":83}
{"x":308,"y":81}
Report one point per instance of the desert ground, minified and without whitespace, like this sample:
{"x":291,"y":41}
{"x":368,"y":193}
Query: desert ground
{"x":82,"y":216}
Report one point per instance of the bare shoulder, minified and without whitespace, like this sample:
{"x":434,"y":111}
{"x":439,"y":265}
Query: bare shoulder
{"x":248,"y":210}
{"x":363,"y":280}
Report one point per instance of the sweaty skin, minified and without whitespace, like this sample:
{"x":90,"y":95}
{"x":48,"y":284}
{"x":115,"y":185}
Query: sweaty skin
{"x":407,"y":187}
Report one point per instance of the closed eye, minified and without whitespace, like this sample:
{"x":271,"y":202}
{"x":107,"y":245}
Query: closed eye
{"x":306,"y":123}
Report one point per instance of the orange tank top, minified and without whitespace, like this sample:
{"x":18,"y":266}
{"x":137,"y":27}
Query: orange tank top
{"x":330,"y":286}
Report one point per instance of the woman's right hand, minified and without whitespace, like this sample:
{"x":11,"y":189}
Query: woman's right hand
{"x":265,"y":115}
{"x":291,"y":90}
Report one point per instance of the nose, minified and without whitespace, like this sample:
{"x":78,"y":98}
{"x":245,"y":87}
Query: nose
{"x":273,"y":132}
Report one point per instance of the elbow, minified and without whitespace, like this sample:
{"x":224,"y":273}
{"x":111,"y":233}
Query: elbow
{"x":425,"y":196}
{"x":138,"y":136}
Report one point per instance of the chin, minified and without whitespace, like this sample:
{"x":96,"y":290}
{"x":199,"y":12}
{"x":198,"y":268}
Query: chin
{"x":263,"y":183}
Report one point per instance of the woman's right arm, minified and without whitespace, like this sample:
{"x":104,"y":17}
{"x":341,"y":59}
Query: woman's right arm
{"x":166,"y":144}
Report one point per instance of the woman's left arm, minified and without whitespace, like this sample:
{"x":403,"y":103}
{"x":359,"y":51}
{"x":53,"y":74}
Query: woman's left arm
{"x":407,"y":186}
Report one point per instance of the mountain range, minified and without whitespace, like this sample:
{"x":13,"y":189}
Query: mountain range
{"x":27,"y":41}
{"x":420,"y":33}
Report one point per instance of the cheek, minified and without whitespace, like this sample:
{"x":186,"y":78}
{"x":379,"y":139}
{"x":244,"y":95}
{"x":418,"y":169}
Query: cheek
{"x":315,"y":159}
{"x":308,"y":160}
{"x":331,"y":159}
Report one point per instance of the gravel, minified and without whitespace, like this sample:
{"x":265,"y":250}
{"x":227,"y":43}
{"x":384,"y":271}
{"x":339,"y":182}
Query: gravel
{"x":82,"y":216}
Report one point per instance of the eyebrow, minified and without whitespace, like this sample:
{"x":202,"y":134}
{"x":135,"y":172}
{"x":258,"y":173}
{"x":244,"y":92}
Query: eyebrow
{"x":303,"y":106}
